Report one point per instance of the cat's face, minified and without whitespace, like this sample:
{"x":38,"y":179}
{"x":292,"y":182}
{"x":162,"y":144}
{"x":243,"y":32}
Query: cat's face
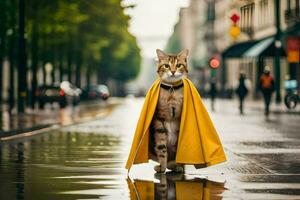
{"x":172,"y":68}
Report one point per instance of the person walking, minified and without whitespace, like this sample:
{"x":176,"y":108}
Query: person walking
{"x":267,"y":87}
{"x":242,"y":91}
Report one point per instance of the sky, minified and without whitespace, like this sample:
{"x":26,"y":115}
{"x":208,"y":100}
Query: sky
{"x":152,"y":22}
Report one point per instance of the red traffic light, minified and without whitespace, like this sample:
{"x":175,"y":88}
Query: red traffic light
{"x":214,"y":63}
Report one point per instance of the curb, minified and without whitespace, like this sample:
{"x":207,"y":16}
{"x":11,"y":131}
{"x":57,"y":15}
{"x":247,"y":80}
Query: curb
{"x":22,"y":130}
{"x":34,"y":130}
{"x":28,"y":132}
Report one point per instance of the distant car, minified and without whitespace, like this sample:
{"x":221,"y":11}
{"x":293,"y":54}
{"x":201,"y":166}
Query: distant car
{"x":62,"y":94}
{"x":50,"y":94}
{"x":94,"y":92}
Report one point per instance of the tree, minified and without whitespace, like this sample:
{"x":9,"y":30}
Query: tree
{"x":75,"y":36}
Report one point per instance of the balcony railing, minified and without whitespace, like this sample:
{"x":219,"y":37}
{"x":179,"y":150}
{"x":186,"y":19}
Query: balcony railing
{"x":248,"y":30}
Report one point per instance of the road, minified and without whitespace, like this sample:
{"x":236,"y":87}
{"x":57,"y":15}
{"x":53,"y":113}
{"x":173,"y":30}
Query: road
{"x":86,"y":160}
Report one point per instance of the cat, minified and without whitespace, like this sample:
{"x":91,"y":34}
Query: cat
{"x":165,"y":125}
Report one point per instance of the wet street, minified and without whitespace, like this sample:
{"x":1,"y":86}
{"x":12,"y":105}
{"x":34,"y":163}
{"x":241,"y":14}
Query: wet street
{"x":86,"y":160}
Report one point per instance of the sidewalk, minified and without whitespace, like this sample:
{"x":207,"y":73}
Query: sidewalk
{"x":258,"y":105}
{"x":275,"y":108}
{"x":49,"y":118}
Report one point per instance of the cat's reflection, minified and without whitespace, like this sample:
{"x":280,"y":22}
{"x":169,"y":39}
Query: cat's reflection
{"x":175,"y":187}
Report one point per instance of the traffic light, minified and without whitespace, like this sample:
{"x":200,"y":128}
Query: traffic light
{"x":214,"y":62}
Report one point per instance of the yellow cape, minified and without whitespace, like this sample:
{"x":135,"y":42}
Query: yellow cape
{"x":198,"y":142}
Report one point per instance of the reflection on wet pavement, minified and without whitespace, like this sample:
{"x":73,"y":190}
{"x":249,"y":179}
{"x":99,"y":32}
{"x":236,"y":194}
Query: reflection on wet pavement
{"x":175,"y":186}
{"x":62,"y":166}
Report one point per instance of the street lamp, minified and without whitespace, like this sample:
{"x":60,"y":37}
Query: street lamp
{"x":277,"y":51}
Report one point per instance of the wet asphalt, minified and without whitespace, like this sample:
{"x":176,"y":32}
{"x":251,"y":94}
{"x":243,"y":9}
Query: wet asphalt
{"x":86,"y":160}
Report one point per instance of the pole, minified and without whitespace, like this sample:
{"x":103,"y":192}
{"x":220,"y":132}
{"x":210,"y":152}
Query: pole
{"x":211,"y":51}
{"x":277,"y":51}
{"x":3,"y":29}
{"x":34,"y":61}
{"x":22,"y":93}
{"x":12,"y":55}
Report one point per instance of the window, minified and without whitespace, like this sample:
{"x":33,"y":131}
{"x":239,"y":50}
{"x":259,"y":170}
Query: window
{"x":246,"y":23}
{"x":265,"y":15}
{"x":264,"y":4}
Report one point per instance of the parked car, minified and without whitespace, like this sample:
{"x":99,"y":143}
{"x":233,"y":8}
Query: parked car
{"x":63,"y":94}
{"x":50,"y":94}
{"x":94,"y":92}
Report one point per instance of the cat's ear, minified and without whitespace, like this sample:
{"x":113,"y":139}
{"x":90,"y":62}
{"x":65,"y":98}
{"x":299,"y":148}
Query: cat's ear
{"x":184,"y":53}
{"x":160,"y":54}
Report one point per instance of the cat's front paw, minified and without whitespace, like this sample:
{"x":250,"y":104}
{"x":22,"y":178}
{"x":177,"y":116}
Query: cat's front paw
{"x":174,"y":167}
{"x":177,"y":168}
{"x":160,"y":169}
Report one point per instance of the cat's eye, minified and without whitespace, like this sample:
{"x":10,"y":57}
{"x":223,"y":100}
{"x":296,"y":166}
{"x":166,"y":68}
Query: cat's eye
{"x":166,"y":65}
{"x":179,"y":65}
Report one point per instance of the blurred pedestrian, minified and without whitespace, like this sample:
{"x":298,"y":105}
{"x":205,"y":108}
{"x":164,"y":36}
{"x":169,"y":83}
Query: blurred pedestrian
{"x":267,"y":87}
{"x":213,"y":92}
{"x":242,"y":91}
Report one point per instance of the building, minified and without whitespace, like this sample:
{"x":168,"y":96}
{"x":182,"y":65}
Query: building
{"x":206,"y":31}
{"x":257,"y":43}
{"x":189,"y":32}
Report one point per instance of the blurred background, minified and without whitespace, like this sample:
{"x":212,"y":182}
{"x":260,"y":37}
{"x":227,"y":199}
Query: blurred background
{"x":113,"y":43}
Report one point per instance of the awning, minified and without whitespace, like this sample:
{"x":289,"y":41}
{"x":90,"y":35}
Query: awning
{"x":264,"y":48}
{"x":237,"y":50}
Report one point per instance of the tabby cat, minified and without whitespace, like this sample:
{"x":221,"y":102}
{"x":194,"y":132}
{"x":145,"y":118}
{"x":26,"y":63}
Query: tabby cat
{"x":165,"y":124}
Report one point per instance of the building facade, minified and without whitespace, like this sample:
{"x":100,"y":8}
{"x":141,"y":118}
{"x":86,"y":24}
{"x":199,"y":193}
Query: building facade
{"x":190,"y":32}
{"x":255,"y":46}
{"x":207,"y":31}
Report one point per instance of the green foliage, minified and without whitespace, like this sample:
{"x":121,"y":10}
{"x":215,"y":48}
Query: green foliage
{"x":89,"y":34}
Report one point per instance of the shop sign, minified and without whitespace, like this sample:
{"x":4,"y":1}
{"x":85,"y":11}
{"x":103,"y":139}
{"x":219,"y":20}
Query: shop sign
{"x":293,"y":49}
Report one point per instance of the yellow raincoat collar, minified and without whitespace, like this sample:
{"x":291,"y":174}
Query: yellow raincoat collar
{"x":198,"y":142}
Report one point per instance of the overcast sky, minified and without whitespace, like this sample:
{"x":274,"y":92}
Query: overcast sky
{"x":153,"y":21}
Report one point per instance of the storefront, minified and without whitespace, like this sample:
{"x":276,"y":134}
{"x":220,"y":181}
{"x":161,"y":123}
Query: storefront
{"x":250,"y":58}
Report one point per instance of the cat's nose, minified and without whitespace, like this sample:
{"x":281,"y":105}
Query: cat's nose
{"x":173,"y":72}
